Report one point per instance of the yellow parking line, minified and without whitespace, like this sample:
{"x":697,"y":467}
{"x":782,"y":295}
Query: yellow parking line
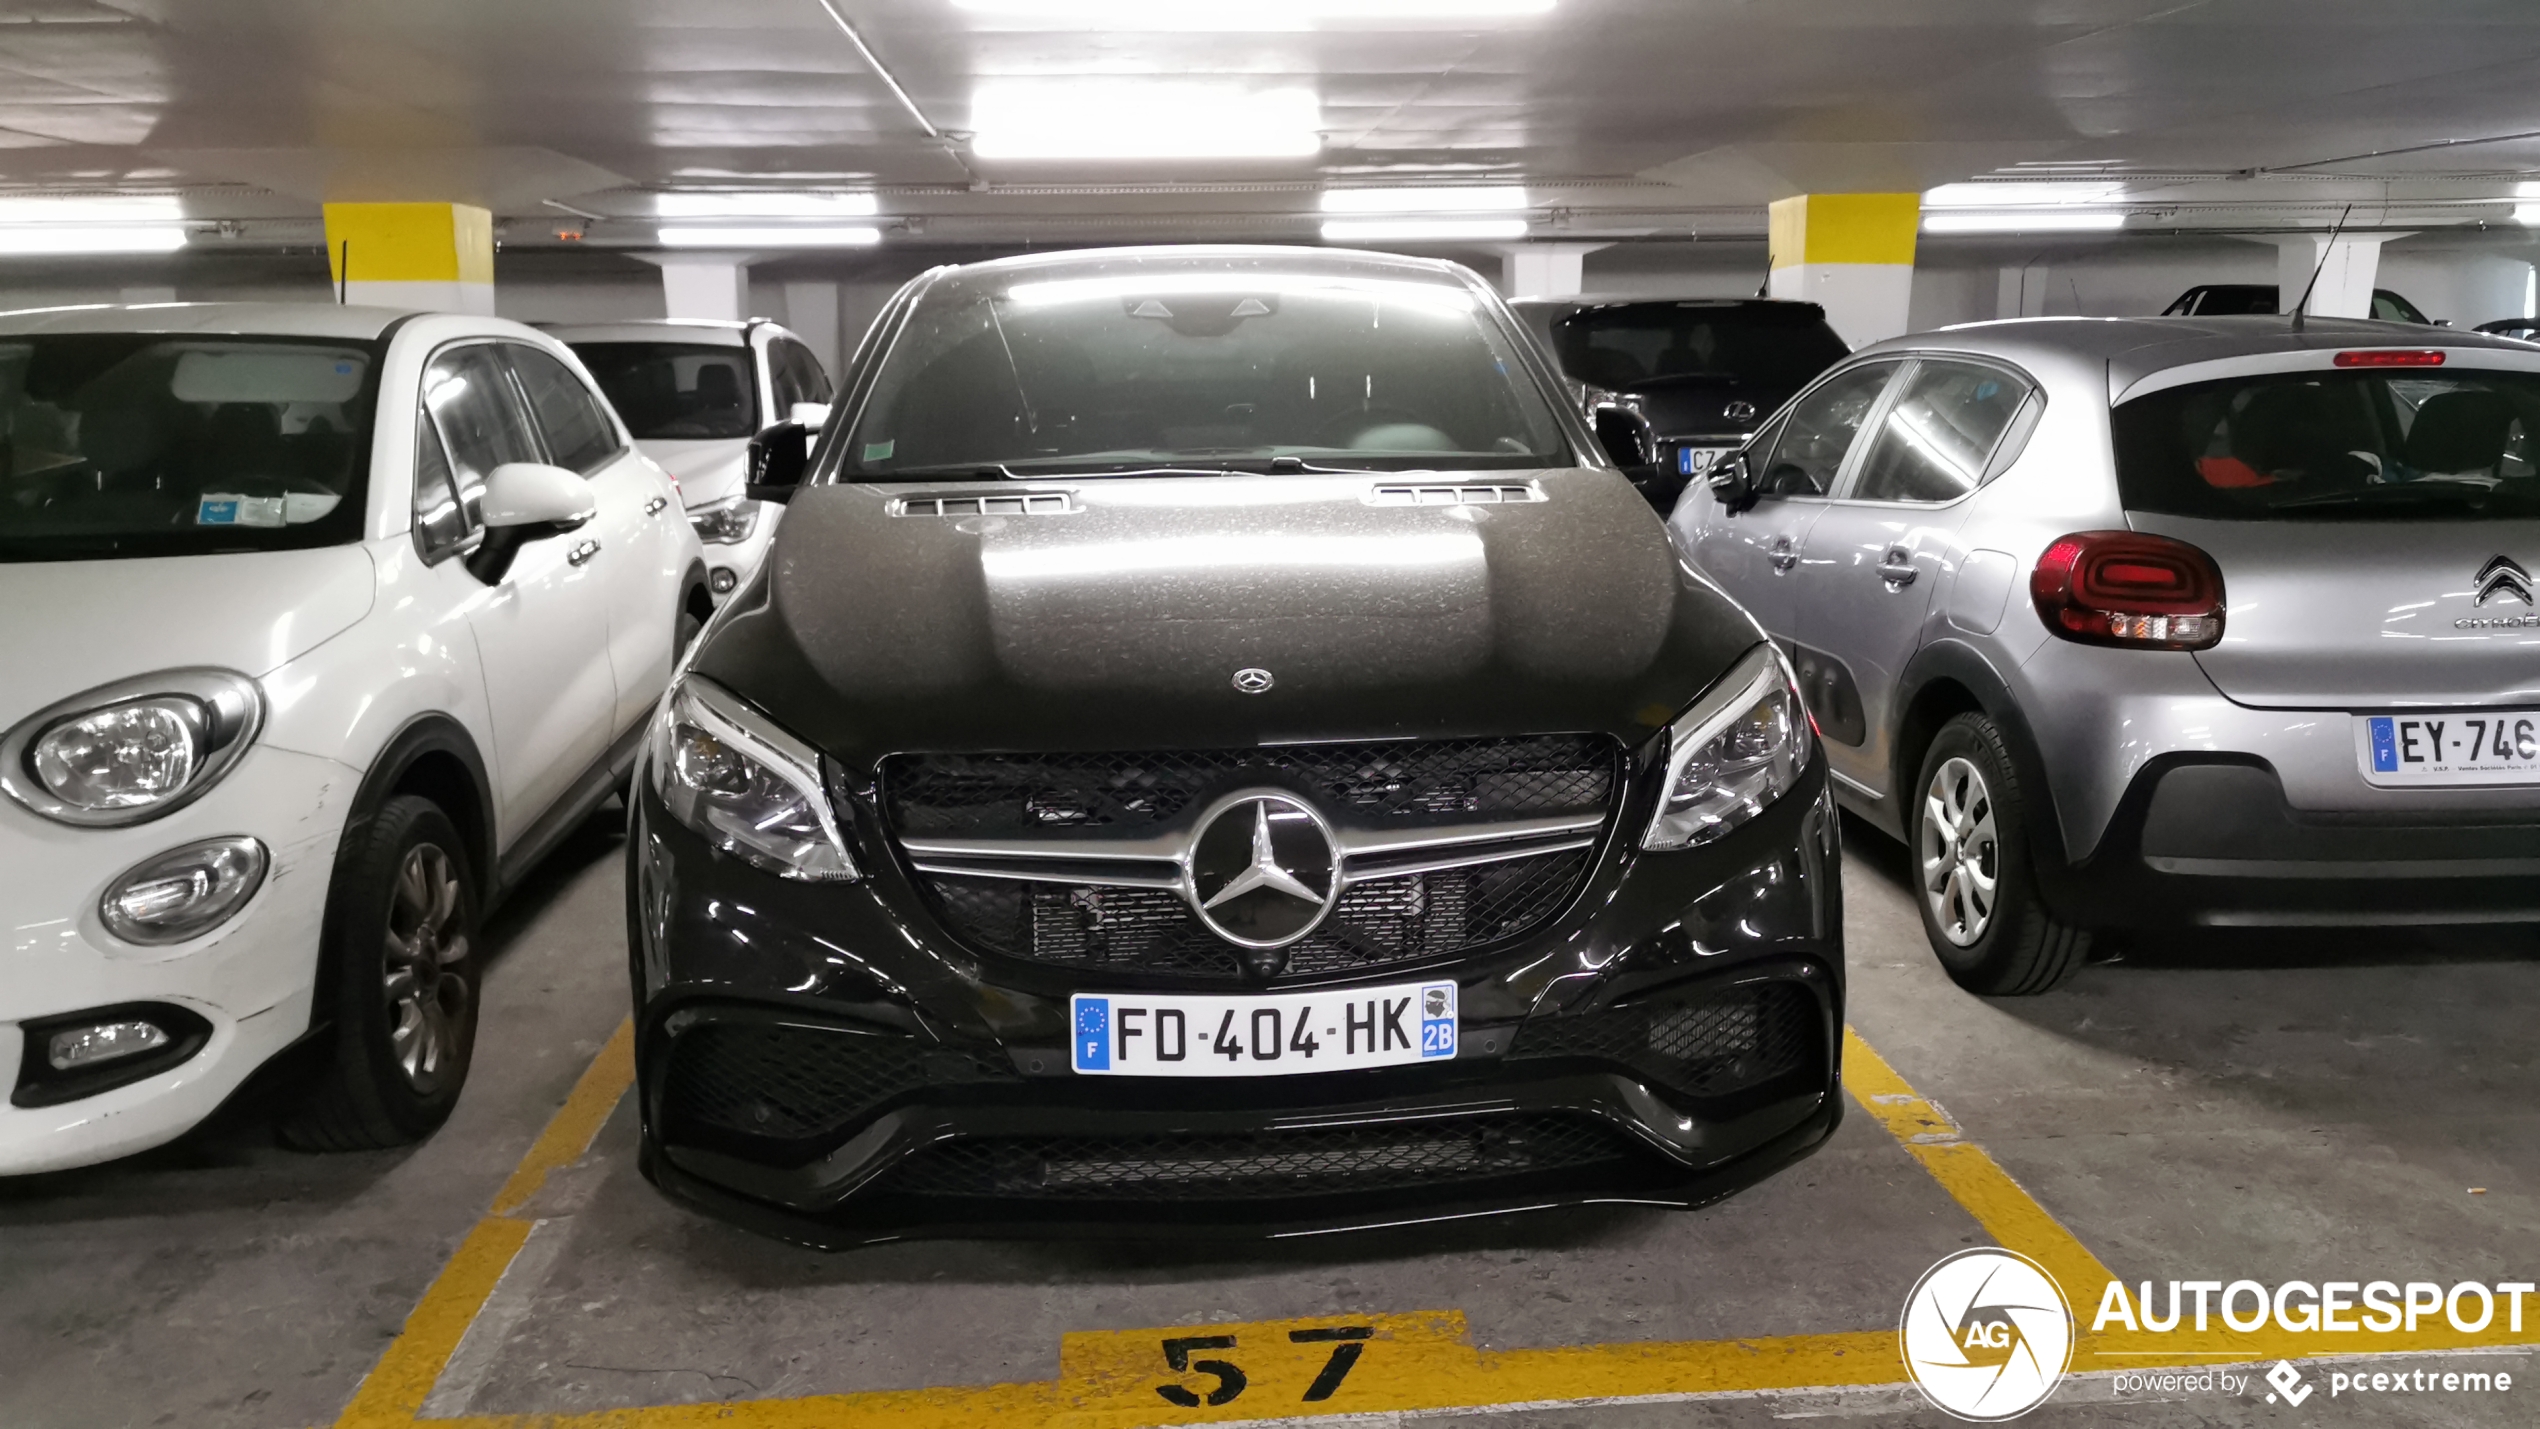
{"x":394,"y":1391}
{"x":1326,"y":1365}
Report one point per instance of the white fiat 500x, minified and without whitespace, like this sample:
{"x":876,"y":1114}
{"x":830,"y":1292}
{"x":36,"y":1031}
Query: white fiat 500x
{"x":319,"y":624}
{"x":693,"y":392}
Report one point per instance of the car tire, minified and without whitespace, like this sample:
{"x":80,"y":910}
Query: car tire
{"x":401,"y":984}
{"x":1967,"y":844}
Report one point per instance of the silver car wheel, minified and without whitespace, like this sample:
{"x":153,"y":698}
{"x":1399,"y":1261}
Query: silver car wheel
{"x":1962,"y":859}
{"x":427,"y":996}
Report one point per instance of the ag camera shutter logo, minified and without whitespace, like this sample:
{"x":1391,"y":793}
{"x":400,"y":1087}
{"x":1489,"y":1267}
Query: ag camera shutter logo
{"x":1986,"y":1335}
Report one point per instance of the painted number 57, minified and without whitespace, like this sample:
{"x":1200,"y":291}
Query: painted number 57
{"x":1348,"y":1342}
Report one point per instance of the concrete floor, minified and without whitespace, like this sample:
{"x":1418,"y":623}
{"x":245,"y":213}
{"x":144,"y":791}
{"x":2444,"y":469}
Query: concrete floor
{"x":2268,"y":1108}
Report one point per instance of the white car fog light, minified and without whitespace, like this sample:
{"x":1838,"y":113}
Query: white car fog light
{"x":183,"y":893}
{"x":723,"y":580}
{"x":105,"y":1042}
{"x":1742,"y":746}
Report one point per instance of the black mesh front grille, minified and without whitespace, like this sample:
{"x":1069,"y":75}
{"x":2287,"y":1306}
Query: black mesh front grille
{"x":1385,"y":921}
{"x":770,"y":1089}
{"x":1261,"y":1166}
{"x":1711,"y":1046}
{"x":1007,"y":795}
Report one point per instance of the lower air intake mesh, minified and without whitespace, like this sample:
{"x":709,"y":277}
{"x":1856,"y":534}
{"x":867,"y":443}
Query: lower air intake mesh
{"x":765,"y":1089}
{"x":1708,"y":1046}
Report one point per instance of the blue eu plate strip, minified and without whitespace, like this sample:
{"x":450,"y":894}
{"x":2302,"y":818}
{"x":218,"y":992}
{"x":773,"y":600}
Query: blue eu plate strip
{"x":1093,"y":1034}
{"x":2385,"y":746}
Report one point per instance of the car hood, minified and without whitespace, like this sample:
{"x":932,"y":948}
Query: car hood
{"x":74,"y":625}
{"x":708,"y":471}
{"x":1121,"y":621}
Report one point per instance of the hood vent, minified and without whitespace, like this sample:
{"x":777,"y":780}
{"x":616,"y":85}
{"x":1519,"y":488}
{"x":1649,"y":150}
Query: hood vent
{"x":1038,"y":503}
{"x":1496,"y":494}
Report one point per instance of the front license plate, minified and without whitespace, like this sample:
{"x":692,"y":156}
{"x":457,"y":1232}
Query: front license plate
{"x":2491,"y":747}
{"x":1272,"y":1035}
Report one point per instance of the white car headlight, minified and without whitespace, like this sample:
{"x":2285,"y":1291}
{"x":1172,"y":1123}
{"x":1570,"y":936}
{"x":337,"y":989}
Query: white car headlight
{"x":726,"y":523}
{"x":129,"y":752}
{"x":747,"y":787}
{"x":1741,"y":746}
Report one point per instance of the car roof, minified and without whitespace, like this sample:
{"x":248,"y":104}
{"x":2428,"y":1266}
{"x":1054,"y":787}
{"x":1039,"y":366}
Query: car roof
{"x":227,"y":319}
{"x":1775,"y":307}
{"x":706,"y":332}
{"x":2135,"y":348}
{"x":1334,"y":262}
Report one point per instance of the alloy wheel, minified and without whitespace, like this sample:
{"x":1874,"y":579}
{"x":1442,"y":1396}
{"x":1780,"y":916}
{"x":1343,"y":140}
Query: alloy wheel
{"x":1961,"y":856}
{"x":427,"y":941}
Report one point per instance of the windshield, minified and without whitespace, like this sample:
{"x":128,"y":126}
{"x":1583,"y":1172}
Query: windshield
{"x":1769,"y":348}
{"x":676,"y":391}
{"x":2414,"y":444}
{"x":1252,"y":365}
{"x":138,"y":444}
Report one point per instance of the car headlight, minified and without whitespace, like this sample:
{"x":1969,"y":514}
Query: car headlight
{"x":747,"y":787}
{"x":131,"y":751}
{"x":726,"y":523}
{"x":1740,"y":747}
{"x":183,"y":893}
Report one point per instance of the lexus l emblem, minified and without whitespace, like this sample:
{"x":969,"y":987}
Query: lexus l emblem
{"x":2502,"y":576}
{"x":1262,"y":871}
{"x":1740,"y":410}
{"x":1253,"y":680}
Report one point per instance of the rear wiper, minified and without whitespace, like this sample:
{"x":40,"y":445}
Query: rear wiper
{"x":2403,"y":493}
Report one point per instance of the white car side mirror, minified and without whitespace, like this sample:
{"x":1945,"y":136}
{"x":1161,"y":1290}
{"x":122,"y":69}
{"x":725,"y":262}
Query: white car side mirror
{"x":812,"y":415}
{"x":533,"y":494}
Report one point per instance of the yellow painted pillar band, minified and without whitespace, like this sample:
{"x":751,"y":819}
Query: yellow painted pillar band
{"x":414,"y":255}
{"x":1851,"y":253}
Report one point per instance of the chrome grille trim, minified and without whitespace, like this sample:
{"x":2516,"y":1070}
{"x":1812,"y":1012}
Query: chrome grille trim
{"x":1159,"y":861}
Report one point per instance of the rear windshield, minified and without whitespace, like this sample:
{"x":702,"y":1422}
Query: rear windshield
{"x":1123,"y":368}
{"x":135,"y":444}
{"x":2422,"y":444}
{"x":1765,"y":347}
{"x":673,"y":391}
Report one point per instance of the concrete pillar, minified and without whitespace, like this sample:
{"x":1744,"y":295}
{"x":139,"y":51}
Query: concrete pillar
{"x":435,"y":256}
{"x":705,"y":285}
{"x":1851,"y":253}
{"x":2346,"y":269}
{"x":2021,"y":292}
{"x":1545,"y":270}
{"x":811,"y":310}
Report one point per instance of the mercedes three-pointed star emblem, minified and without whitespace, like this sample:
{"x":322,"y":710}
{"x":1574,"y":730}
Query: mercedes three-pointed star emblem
{"x":1263,"y":870}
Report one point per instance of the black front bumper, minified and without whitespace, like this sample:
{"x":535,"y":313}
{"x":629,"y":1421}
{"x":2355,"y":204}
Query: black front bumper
{"x":826,"y":1065}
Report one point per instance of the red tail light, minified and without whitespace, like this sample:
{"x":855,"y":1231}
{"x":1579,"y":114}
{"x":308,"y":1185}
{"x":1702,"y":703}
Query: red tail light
{"x":2391,"y":357}
{"x":2124,"y":588}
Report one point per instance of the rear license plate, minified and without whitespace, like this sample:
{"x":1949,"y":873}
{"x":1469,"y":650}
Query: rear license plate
{"x":2490,"y":747}
{"x":1275,"y":1034}
{"x":1694,"y":461}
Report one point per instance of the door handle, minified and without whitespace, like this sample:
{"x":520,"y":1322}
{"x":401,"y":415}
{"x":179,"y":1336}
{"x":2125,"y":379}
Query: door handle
{"x":1896,"y":568}
{"x":654,"y":506}
{"x":582,"y":553}
{"x":1783,"y":555}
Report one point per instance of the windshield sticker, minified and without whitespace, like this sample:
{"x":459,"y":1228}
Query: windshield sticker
{"x":880,"y":451}
{"x":222,"y":508}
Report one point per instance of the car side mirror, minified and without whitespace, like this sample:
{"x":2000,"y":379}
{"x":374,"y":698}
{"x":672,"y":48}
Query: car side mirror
{"x":535,"y":500}
{"x":812,"y":416}
{"x":1733,"y":482}
{"x":1625,"y":436}
{"x":777,"y":459}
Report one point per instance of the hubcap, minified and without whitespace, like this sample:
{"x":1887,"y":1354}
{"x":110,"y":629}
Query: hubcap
{"x":1962,"y":861}
{"x":427,"y":994}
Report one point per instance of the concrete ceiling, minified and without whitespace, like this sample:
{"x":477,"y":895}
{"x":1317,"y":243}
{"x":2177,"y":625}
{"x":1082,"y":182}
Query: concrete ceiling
{"x":1624,"y":117}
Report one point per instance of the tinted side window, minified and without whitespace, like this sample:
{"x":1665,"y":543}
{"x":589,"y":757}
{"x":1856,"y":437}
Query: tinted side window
{"x":469,"y":395}
{"x":441,"y":519}
{"x":1820,"y":430}
{"x":802,"y":374}
{"x":579,"y":437}
{"x":1939,"y":433}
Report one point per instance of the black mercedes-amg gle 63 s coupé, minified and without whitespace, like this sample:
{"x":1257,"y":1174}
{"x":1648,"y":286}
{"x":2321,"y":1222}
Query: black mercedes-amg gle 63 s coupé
{"x":1215,"y":748}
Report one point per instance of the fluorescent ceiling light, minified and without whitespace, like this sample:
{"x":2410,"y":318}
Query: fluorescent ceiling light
{"x":81,"y":238}
{"x":1165,"y":285}
{"x":1359,"y":230}
{"x":2034,"y":221}
{"x":2527,"y":213}
{"x":1247,"y":14}
{"x":729,"y":236}
{"x":749,"y":205}
{"x":1499,"y":199}
{"x":1142,"y":119}
{"x":109,"y":209}
{"x":2022,"y":194}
